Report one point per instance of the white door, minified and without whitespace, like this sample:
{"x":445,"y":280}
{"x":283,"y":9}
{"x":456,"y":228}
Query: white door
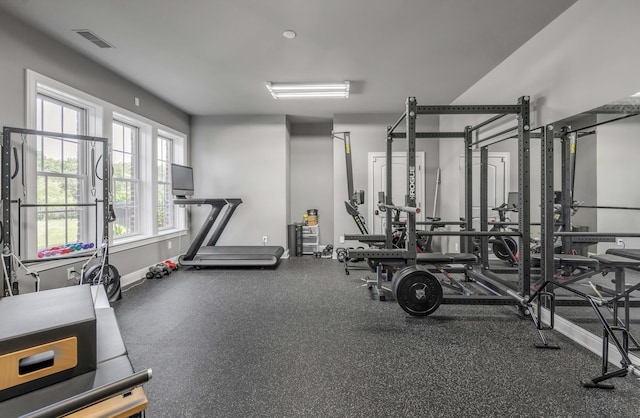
{"x":378,"y":182}
{"x":497,"y":184}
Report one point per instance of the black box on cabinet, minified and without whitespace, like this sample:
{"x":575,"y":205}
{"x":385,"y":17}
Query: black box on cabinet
{"x":46,"y":337}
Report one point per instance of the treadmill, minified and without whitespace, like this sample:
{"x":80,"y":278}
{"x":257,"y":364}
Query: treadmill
{"x":210,"y":255}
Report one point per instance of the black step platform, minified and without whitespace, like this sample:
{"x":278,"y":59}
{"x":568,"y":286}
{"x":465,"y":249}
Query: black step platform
{"x":41,"y":322}
{"x":46,"y":337}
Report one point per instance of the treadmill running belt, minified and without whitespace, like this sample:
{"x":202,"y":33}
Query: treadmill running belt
{"x":236,"y":256}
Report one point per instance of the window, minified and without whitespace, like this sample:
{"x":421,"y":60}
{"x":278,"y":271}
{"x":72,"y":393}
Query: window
{"x":166,"y":218}
{"x":60,"y":176}
{"x":124,"y":157}
{"x":66,"y":172}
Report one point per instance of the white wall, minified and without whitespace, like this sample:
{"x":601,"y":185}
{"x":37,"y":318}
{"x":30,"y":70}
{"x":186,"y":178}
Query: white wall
{"x":368,"y":134}
{"x":311,"y":175}
{"x":580,"y":61}
{"x":243,"y":157}
{"x":618,"y":170}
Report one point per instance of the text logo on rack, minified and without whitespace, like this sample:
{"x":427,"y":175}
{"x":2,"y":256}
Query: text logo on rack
{"x":412,"y":182}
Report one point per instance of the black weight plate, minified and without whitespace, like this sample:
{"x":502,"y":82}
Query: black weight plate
{"x":110,"y":279}
{"x":418,"y":292}
{"x":501,"y":252}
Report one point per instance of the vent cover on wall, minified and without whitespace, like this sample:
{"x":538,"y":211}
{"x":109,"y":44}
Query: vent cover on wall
{"x":92,"y":37}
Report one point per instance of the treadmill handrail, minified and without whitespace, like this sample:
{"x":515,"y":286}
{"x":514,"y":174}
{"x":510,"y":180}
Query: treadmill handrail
{"x":232,"y":204}
{"x":216,"y":207}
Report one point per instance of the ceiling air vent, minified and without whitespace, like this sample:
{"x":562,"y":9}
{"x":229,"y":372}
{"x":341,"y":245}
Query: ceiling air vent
{"x":92,"y":37}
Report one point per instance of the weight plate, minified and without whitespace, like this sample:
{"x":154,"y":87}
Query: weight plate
{"x":501,"y":252}
{"x":418,"y":292}
{"x":110,"y":278}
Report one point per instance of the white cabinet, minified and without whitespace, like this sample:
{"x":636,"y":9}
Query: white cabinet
{"x":310,"y":239}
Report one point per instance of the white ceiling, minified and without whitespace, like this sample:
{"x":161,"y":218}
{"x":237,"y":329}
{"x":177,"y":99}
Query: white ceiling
{"x":214,"y":56}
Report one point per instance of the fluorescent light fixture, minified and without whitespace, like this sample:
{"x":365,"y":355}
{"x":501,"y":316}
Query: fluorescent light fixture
{"x":636,"y":95}
{"x":298,"y":90}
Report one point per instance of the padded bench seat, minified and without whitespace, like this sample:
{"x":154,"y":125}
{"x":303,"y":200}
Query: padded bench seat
{"x":616,"y":260}
{"x":623,"y":252}
{"x":448,"y":258}
{"x":567,"y":260}
{"x":365,"y":237}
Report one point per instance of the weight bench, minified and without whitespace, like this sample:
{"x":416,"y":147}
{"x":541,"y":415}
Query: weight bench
{"x":437,"y":259}
{"x":447,"y":258}
{"x":561,"y":260}
{"x":434,"y":259}
{"x":604,"y":263}
{"x":569,"y":263}
{"x":618,"y":264}
{"x":623,"y":252}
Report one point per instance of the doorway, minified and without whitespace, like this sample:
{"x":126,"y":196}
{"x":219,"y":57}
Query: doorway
{"x":497,"y":184}
{"x":377,"y":183}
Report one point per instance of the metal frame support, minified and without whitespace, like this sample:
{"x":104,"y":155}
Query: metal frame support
{"x":468,"y":183}
{"x":389,"y":190}
{"x":524,"y":195}
{"x":6,"y":191}
{"x":567,"y":189}
{"x":484,"y":215}
{"x":546,"y":198}
{"x":347,"y":154}
{"x":410,"y":199}
{"x":6,"y":187}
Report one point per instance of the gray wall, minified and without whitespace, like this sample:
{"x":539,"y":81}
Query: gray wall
{"x":368,"y":134}
{"x":25,"y":48}
{"x":618,"y":170}
{"x":243,"y":157}
{"x":559,"y":85}
{"x":312,"y":175}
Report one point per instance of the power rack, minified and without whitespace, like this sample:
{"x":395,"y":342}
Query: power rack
{"x":421,"y":305}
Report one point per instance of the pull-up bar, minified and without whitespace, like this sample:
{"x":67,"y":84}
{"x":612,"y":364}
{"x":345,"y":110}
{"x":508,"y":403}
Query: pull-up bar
{"x":430,"y":135}
{"x":490,"y":137}
{"x":602,"y":123}
{"x":486,"y":122}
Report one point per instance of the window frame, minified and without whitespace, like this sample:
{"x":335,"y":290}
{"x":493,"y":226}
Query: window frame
{"x":100,"y":116}
{"x":168,"y":143}
{"x":135,"y":180}
{"x":81,"y":176}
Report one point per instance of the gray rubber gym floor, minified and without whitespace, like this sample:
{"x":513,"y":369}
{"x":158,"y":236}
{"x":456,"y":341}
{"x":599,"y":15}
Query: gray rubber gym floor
{"x":306,"y":340}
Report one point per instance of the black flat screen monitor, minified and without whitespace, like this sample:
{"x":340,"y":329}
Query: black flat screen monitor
{"x":181,"y":180}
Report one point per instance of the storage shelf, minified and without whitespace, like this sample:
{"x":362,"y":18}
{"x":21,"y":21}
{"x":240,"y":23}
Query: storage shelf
{"x":310,"y":239}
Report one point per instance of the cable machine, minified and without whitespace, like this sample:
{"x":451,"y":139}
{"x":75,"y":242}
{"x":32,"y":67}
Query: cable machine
{"x":13,"y":163}
{"x":355,"y":198}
